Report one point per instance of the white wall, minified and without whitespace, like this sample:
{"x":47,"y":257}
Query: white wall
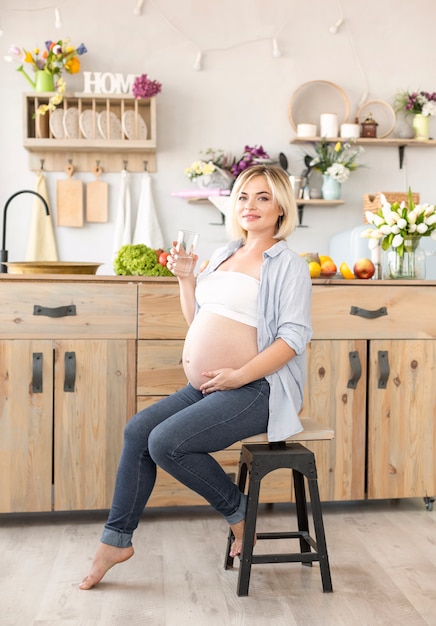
{"x":241,"y":97}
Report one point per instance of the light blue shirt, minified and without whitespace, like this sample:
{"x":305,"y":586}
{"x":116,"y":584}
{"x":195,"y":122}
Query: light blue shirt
{"x":283,"y":310}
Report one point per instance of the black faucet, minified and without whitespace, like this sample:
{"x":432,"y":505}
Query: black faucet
{"x":3,"y":251}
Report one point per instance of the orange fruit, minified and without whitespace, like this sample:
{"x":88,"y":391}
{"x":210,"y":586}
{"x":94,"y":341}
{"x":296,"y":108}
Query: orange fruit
{"x":324,"y":259}
{"x":345,"y":271}
{"x":314,"y":269}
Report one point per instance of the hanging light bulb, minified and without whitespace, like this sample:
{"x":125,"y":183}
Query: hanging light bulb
{"x":275,"y":50}
{"x":138,"y":9}
{"x":58,"y":21}
{"x":197,"y":63}
{"x":334,"y":29}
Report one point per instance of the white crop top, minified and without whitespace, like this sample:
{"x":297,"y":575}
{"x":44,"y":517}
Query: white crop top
{"x":231,"y":294}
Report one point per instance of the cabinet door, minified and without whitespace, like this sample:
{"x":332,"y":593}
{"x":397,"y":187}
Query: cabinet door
{"x":401,"y":423}
{"x":26,"y":425}
{"x":330,"y":399}
{"x":94,"y":397}
{"x":160,"y":370}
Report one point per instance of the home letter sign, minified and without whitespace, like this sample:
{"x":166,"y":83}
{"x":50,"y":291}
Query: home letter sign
{"x":105,"y":82}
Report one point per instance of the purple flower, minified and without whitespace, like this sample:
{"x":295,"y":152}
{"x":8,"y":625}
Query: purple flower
{"x":144,"y":87}
{"x":249,"y":158}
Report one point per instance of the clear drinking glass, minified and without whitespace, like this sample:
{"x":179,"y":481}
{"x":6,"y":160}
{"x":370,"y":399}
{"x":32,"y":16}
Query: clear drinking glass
{"x":186,"y":245}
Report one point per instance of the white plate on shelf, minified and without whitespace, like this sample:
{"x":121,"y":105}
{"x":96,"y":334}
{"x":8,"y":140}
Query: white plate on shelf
{"x":57,"y":123}
{"x":89,"y":124}
{"x":109,"y":128}
{"x":134,"y":126}
{"x":71,"y":123}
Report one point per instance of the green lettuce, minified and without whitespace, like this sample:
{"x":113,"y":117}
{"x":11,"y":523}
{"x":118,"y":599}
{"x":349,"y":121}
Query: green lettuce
{"x":139,"y":260}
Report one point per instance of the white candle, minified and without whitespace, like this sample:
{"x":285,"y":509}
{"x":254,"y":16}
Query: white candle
{"x":329,"y":124}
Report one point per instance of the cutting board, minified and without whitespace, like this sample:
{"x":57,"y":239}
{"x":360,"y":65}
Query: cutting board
{"x":70,"y":200}
{"x":97,"y":199}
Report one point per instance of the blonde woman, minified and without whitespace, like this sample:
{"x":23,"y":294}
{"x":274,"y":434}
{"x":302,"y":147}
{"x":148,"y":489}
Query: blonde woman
{"x":244,"y":357}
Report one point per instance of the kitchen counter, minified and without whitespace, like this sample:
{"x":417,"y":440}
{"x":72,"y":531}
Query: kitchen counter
{"x":99,"y":278}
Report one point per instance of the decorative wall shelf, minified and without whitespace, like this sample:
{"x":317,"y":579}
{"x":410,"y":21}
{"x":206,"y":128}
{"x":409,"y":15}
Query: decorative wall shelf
{"x":132,"y":145}
{"x":314,"y":202}
{"x":396,"y":142}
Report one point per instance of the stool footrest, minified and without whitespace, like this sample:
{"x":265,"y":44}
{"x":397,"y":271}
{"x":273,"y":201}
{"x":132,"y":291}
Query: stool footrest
{"x":297,"y":534}
{"x":292,"y":557}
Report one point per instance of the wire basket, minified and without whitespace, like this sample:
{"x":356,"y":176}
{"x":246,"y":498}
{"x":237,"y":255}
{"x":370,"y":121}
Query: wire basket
{"x":372,"y":201}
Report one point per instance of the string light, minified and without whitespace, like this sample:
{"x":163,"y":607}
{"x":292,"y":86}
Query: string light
{"x":197,"y":67}
{"x":334,"y":29}
{"x":138,"y":9}
{"x":275,"y":50}
{"x":58,"y":21}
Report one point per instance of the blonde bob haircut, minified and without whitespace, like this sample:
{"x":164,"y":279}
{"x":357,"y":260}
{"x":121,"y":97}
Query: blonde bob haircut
{"x":281,"y":192}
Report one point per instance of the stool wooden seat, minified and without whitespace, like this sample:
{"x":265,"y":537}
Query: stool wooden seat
{"x":259,"y":458}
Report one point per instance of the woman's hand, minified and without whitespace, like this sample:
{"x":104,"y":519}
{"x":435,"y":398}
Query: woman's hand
{"x":221,"y":380}
{"x":172,"y":261}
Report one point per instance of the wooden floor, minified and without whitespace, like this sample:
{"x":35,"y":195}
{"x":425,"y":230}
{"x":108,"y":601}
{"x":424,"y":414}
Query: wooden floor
{"x":382,"y":557}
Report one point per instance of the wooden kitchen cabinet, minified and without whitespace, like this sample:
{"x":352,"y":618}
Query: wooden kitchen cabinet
{"x":67,"y":389}
{"x":371,"y":368}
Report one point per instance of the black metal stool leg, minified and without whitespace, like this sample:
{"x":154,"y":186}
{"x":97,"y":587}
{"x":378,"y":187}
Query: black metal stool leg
{"x":242,"y":479}
{"x":320,"y":536}
{"x":246,"y":558}
{"x":302,"y":518}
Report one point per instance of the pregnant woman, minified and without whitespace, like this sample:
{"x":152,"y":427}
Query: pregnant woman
{"x":244,"y":357}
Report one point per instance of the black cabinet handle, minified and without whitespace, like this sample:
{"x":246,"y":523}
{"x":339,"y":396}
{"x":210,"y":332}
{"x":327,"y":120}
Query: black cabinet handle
{"x":70,"y":371}
{"x":383,"y":364}
{"x":356,"y":369}
{"x":369,"y":315}
{"x":60,"y":311}
{"x":37,"y":372}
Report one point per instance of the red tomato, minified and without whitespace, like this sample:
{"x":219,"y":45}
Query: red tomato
{"x":163,"y":258}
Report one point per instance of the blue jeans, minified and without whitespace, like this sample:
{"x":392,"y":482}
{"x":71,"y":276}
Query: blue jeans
{"x":178,"y":433}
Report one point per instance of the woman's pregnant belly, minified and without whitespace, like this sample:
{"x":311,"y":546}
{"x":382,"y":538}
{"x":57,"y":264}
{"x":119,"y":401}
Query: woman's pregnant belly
{"x":214,"y":341}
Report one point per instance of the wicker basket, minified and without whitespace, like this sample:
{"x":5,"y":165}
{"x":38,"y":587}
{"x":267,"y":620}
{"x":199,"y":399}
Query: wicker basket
{"x":372,"y":202}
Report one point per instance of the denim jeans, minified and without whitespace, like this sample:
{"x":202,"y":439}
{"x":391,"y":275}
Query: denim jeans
{"x":178,"y":433}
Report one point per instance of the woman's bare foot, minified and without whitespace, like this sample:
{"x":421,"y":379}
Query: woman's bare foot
{"x":105,"y":558}
{"x":238,"y":532}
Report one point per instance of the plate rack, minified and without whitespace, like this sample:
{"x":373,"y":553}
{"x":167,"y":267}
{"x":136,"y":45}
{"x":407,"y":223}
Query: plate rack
{"x":54,"y":153}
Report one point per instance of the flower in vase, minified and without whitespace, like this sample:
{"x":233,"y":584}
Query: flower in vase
{"x":394,"y":224}
{"x":335,"y":159}
{"x":416,"y":102}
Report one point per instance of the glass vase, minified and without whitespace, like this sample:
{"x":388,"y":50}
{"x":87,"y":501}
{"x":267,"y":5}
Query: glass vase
{"x":421,"y":126}
{"x":408,"y":265}
{"x":331,"y":188}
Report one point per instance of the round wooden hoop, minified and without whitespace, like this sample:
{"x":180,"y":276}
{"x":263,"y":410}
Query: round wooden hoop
{"x":312,"y":82}
{"x":387,"y":106}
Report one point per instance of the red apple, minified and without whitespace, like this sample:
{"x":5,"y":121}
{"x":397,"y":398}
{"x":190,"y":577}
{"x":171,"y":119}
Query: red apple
{"x":364,"y":268}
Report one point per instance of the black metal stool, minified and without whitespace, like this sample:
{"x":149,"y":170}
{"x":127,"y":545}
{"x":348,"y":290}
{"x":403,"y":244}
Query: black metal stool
{"x":258,"y":460}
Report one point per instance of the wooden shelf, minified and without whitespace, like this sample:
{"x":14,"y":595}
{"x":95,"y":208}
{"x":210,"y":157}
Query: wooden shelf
{"x":112,"y":154}
{"x":318,"y":202}
{"x":396,"y":142}
{"x":365,"y":141}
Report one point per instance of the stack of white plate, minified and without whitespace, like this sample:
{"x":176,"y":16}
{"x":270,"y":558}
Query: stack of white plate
{"x":69,"y":124}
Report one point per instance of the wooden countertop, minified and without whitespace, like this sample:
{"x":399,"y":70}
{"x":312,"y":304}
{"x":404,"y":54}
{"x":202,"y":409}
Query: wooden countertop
{"x":101,"y":278}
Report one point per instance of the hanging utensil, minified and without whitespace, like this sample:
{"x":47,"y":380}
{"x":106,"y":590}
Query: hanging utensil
{"x":284,"y":162}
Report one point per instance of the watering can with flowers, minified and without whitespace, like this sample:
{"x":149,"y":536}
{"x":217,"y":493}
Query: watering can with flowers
{"x":48,"y":64}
